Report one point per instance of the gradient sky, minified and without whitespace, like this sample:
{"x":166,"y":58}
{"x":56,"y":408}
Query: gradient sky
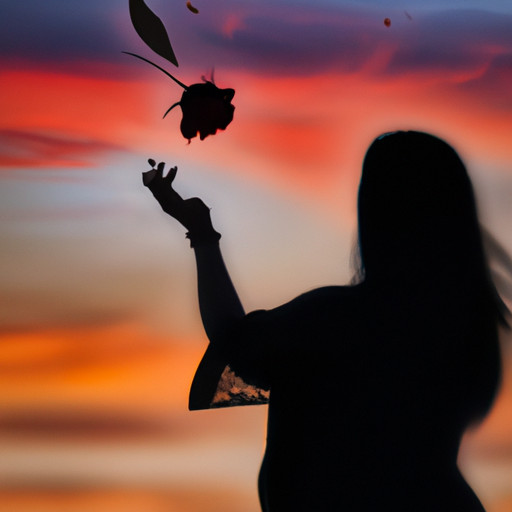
{"x":100,"y":329}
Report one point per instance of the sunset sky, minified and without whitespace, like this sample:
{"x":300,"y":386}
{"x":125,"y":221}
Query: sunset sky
{"x":100,"y":328}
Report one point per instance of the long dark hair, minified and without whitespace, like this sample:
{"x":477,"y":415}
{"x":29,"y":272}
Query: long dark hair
{"x":418,"y":217}
{"x":421,"y":249}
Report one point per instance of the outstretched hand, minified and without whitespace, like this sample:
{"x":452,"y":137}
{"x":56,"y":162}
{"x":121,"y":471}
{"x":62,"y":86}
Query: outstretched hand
{"x":192,"y":213}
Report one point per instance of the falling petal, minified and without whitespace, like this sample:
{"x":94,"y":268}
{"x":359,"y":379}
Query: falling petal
{"x":191,"y":8}
{"x":387,"y":22}
{"x":151,"y":30}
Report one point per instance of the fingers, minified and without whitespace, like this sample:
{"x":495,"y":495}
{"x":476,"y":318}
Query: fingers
{"x":160,"y":169}
{"x":155,"y":175}
{"x":171,"y":174}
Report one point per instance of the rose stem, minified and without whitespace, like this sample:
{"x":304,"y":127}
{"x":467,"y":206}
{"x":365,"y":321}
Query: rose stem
{"x":157,"y":66}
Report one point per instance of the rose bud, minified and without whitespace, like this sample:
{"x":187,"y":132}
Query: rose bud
{"x":206,"y":109}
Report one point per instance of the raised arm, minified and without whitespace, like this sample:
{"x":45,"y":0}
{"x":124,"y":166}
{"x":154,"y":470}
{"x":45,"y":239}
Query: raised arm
{"x":218,"y":300}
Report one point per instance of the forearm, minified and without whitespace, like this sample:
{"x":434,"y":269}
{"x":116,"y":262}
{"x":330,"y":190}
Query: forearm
{"x":219,"y":304}
{"x":218,"y":301}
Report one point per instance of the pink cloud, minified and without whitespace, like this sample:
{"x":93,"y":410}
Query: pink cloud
{"x":232,"y":23}
{"x":20,"y":148}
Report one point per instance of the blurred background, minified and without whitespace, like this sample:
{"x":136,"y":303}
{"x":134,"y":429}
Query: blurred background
{"x":100,"y":328}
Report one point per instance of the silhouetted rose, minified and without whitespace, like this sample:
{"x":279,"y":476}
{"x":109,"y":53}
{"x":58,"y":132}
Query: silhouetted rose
{"x":206,"y":109}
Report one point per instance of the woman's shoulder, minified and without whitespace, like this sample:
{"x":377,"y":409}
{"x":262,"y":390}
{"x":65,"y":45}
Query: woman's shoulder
{"x":330,"y":295}
{"x":313,"y":302}
{"x":333,"y":292}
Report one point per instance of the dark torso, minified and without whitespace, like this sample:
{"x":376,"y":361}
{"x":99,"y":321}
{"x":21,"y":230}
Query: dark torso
{"x":366,"y":410}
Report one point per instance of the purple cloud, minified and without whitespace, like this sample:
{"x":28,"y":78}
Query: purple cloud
{"x":54,"y":31}
{"x":451,"y":41}
{"x":312,"y":40}
{"x":265,"y":38}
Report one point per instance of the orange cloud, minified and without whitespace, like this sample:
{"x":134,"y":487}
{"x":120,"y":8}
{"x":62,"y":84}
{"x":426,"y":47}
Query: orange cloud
{"x":192,"y":498}
{"x":124,"y":368}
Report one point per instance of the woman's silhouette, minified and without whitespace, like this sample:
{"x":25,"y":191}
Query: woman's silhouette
{"x":371,"y":385}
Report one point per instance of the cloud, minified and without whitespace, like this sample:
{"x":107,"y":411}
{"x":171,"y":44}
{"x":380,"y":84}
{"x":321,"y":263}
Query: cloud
{"x":279,"y":37}
{"x":460,"y":52}
{"x":122,"y":496}
{"x":451,"y":41}
{"x":65,"y":116}
{"x":494,"y":83}
{"x":108,"y":372}
{"x":90,"y":424}
{"x":311,"y":39}
{"x":74,"y":278}
{"x":301,"y":43}
{"x":20,"y":148}
{"x":59,"y":31}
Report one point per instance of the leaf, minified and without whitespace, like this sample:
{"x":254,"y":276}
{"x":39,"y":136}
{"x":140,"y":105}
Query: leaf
{"x":151,"y":30}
